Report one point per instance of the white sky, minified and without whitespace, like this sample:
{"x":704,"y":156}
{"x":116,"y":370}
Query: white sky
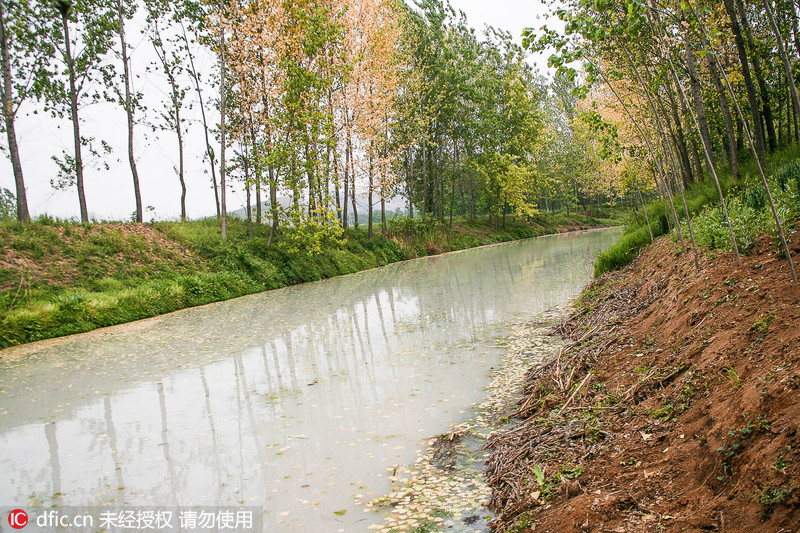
{"x":512,"y":16}
{"x":110,"y":193}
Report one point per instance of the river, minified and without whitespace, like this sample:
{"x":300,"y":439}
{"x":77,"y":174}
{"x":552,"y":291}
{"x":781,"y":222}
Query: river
{"x":294,"y":400}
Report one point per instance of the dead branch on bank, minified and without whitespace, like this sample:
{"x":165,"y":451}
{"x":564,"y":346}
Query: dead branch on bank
{"x":552,"y":430}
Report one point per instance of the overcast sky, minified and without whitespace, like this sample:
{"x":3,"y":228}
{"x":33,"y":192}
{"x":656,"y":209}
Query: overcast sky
{"x":110,"y":193}
{"x":512,"y":16}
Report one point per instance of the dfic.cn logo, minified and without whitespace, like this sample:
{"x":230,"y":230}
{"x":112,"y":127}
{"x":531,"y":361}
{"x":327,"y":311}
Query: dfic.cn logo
{"x":18,"y":518}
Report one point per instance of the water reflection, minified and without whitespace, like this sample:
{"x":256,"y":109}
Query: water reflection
{"x":295,"y":399}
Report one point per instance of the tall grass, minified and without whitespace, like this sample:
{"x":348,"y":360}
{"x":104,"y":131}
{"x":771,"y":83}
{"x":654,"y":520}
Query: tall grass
{"x":748,"y":211}
{"x":637,"y":236}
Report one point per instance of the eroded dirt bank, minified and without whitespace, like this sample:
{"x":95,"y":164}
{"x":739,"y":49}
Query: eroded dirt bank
{"x":687,"y":407}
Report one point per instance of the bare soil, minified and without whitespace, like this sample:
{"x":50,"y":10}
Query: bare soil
{"x":675,"y":408}
{"x":64,"y":257}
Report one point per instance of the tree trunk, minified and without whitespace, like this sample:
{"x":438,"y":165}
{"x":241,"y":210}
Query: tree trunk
{"x":369,"y":191}
{"x":748,"y":80}
{"x":764,"y":181}
{"x":257,"y":172}
{"x":695,"y":151}
{"x":175,"y":113}
{"x":76,"y":130}
{"x":310,"y":175}
{"x":325,"y":192}
{"x":697,"y":96}
{"x":258,"y":196}
{"x":666,"y":133}
{"x":794,"y":121}
{"x":295,"y":189}
{"x":209,"y":150}
{"x":471,"y":188}
{"x":766,"y":114}
{"x":129,"y":111}
{"x":779,"y":111}
{"x":668,"y":156}
{"x":273,"y":204}
{"x":346,"y":184}
{"x":222,"y":104}
{"x":739,"y":134}
{"x":409,"y":183}
{"x":683,"y":148}
{"x":425,"y":207}
{"x":180,"y":162}
{"x":439,"y":180}
{"x":333,"y":146}
{"x":795,"y":32}
{"x":707,"y":150}
{"x":786,"y":64}
{"x":249,"y":209}
{"x":383,"y":202}
{"x":9,"y":116}
{"x":336,"y":185}
{"x":352,"y":180}
{"x":733,"y":150}
{"x":273,"y":179}
{"x":382,"y":177}
{"x":453,"y":182}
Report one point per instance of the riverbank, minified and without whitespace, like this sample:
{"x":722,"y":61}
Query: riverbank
{"x":673,"y":408}
{"x":59,"y":278}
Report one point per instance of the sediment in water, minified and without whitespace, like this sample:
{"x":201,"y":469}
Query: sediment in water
{"x":446,"y":489}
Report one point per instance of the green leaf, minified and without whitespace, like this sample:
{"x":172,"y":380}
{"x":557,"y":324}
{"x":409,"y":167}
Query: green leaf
{"x":537,"y":470}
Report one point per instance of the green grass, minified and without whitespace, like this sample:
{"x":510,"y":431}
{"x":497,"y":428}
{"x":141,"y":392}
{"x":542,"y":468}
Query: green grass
{"x":425,"y":236}
{"x":61,"y":278}
{"x":747,"y":207}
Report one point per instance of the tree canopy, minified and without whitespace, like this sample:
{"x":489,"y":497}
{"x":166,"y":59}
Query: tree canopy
{"x":334,"y":107}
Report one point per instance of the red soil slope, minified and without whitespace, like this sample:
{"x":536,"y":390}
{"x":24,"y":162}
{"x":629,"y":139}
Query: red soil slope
{"x":687,"y":418}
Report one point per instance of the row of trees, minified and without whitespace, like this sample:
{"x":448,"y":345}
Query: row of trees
{"x":404,"y":101}
{"x":321,"y":102}
{"x":701,"y":84}
{"x":60,"y":56}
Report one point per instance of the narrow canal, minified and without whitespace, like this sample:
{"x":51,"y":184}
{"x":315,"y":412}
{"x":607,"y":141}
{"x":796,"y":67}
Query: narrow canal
{"x":293,"y":400}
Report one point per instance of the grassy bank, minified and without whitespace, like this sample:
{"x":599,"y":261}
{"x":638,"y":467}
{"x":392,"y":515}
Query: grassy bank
{"x":748,"y":209}
{"x":59,"y":278}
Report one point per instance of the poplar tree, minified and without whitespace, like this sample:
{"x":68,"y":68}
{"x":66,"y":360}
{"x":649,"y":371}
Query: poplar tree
{"x":129,"y":100}
{"x":20,"y":60}
{"x":79,"y":34}
{"x":172,"y":53}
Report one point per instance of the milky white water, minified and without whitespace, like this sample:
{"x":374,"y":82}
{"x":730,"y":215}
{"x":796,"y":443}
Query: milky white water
{"x":294,"y":400}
